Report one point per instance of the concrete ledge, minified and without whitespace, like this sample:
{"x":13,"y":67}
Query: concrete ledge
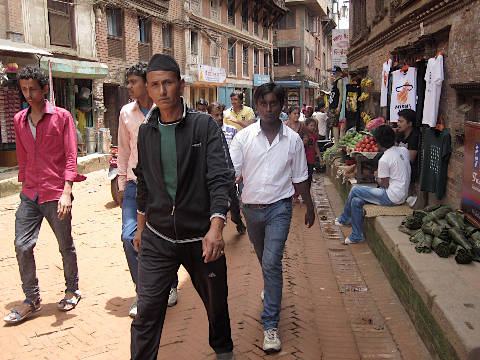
{"x":85,"y":165}
{"x":441,"y":296}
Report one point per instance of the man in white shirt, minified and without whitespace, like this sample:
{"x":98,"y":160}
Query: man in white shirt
{"x":270,"y":156}
{"x":393,"y":176}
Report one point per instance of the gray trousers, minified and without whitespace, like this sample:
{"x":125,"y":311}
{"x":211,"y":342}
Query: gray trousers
{"x":28,"y":219}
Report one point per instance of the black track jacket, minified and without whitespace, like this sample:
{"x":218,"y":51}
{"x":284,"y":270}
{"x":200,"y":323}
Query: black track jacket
{"x":204,"y":177}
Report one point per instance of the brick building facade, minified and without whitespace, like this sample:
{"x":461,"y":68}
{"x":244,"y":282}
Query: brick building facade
{"x":302,"y":49}
{"x":410,"y":30}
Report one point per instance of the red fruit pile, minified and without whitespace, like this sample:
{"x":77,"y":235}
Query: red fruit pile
{"x":368,"y":144}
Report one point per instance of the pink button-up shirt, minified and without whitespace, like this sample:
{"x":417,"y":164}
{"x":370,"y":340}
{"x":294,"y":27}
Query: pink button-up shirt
{"x":128,"y":124}
{"x":47,"y":161}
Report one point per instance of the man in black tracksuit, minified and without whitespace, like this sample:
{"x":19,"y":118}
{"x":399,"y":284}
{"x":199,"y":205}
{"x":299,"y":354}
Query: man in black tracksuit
{"x":184,"y":179}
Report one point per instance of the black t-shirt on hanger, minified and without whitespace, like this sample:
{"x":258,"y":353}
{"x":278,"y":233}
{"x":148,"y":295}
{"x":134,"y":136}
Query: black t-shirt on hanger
{"x":421,"y":66}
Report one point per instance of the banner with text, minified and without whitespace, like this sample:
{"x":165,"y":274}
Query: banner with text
{"x":340,"y":43}
{"x":211,"y":74}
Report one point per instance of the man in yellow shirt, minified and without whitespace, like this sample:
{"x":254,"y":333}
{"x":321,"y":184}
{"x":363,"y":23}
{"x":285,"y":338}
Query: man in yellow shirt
{"x":238,"y":115}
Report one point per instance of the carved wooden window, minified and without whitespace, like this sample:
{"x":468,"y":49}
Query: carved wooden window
{"x":115,"y":33}
{"x":284,"y":56}
{"x":245,"y":60}
{"x":214,"y":53}
{"x":196,"y":6}
{"x":193,"y":42}
{"x":232,"y":64}
{"x":245,"y":15}
{"x":215,"y":9}
{"x":60,"y":16}
{"x":266,"y":63}
{"x":255,"y":22}
{"x":167,"y":39}
{"x":359,"y":18}
{"x":256,"y":60}
{"x":287,"y":21}
{"x":231,"y":11}
{"x":144,"y":39}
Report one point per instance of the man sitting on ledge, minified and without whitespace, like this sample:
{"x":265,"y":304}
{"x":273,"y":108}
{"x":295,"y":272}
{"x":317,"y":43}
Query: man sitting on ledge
{"x":393,"y":178}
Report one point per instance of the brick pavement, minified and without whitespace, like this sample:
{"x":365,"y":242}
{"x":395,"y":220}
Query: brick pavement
{"x":316,"y":319}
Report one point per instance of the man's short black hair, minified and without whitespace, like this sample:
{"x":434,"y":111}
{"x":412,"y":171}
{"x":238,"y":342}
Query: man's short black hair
{"x":214,"y":106}
{"x":385,"y":136}
{"x":268,"y":88}
{"x":35,"y":73}
{"x":238,"y":94}
{"x":139,"y":69}
{"x":202,"y":101}
{"x":320,"y":105}
{"x":409,"y":115}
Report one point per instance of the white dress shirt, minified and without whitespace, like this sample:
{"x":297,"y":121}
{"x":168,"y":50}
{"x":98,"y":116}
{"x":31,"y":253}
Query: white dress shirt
{"x":268,"y":170}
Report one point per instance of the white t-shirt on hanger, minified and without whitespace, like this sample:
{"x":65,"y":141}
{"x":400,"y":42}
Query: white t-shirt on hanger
{"x":404,"y":92}
{"x":384,"y":89}
{"x":434,"y":78}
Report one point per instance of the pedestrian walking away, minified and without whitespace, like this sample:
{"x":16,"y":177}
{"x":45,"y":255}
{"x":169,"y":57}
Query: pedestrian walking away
{"x":216,"y":110}
{"x":183,"y":185}
{"x":131,"y":117}
{"x":47,"y":160}
{"x":201,"y":105}
{"x":269,"y":156}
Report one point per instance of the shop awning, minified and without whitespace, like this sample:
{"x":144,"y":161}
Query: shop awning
{"x":66,"y":68}
{"x":20,"y":47}
{"x":296,"y":83}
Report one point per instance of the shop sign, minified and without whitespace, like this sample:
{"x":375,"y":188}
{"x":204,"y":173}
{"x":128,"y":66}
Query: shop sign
{"x":293,"y":98}
{"x":471,"y":173}
{"x":340,"y":43}
{"x":212,"y":74}
{"x":187,"y":78}
{"x":259,"y":79}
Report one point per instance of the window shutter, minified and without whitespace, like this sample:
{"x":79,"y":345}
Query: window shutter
{"x":296,"y":56}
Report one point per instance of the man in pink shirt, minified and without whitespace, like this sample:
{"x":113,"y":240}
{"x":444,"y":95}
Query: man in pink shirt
{"x":131,"y":117}
{"x":47,"y":159}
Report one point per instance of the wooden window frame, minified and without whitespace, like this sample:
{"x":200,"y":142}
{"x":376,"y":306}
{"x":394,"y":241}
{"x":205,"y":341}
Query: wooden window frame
{"x":67,"y":16}
{"x":232,"y":60}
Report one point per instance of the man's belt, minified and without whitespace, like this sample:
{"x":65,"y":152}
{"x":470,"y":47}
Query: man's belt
{"x":264,"y":206}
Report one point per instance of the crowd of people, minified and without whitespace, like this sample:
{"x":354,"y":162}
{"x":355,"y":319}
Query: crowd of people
{"x":180,"y":171}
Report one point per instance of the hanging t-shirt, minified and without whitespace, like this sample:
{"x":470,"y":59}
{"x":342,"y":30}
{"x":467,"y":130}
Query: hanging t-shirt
{"x":384,"y":88}
{"x":433,"y":89}
{"x":345,"y":81}
{"x":404,"y":92}
{"x":352,"y":110}
{"x":389,"y":89}
{"x":421,"y":66}
{"x":334,"y":94}
{"x":437,"y":151}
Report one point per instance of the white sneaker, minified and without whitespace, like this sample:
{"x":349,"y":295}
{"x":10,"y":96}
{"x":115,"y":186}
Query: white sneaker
{"x":133,"y":308}
{"x":173,"y":297}
{"x":271,"y":341}
{"x":262,"y":295}
{"x":338,"y":223}
{"x":348,"y":241}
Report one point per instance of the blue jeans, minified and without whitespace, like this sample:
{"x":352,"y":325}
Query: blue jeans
{"x":353,"y":210}
{"x":268,"y":230}
{"x":129,"y":228}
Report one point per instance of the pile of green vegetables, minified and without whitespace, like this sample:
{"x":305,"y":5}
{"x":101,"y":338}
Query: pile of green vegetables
{"x":330,"y":150}
{"x":437,"y":228}
{"x":351,"y":139}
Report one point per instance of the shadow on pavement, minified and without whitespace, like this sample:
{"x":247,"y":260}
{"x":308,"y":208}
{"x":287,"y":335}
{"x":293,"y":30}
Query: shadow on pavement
{"x":111,"y":205}
{"x":119,"y":306}
{"x":49,"y":309}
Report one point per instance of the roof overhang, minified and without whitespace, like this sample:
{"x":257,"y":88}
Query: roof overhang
{"x":66,"y":68}
{"x":315,"y":7}
{"x":22,"y":48}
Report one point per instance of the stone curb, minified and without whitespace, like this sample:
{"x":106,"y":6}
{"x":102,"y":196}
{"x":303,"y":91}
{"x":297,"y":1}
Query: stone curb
{"x":446,"y":317}
{"x":85,"y":165}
